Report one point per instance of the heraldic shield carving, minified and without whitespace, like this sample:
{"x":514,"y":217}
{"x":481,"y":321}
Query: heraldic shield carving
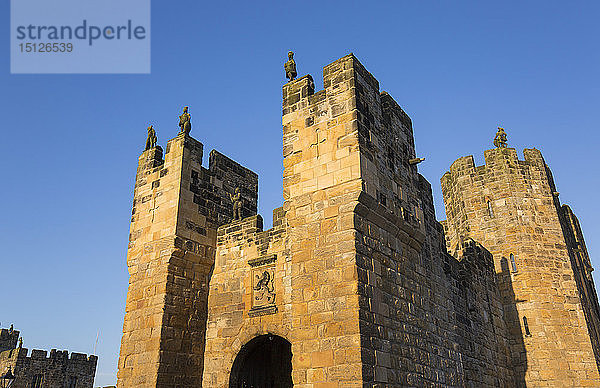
{"x":263,"y":286}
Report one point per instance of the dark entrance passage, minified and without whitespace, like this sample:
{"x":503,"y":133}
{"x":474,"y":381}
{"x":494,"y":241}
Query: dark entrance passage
{"x":264,"y":362}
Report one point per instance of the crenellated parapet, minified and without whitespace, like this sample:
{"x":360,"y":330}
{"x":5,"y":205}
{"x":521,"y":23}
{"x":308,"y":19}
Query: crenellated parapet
{"x":22,"y":354}
{"x":323,"y":132}
{"x":498,"y":188}
{"x":249,"y":231}
{"x":496,"y":159}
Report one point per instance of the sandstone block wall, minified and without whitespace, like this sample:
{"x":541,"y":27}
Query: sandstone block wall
{"x":321,"y":184}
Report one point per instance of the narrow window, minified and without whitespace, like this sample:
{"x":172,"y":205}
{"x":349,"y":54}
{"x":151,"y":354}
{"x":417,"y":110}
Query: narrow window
{"x":526,"y":326}
{"x":381,"y":198}
{"x":72,"y":382}
{"x":490,"y":209}
{"x":513,"y":263}
{"x":36,"y":382}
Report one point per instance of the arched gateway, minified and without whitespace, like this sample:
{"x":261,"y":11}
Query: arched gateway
{"x":264,"y":362}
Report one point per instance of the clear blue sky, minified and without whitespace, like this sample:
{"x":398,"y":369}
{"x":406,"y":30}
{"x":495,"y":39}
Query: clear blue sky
{"x":459,"y":69}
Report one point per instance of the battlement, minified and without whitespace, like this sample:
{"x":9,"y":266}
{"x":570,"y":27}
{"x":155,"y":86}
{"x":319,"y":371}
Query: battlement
{"x":472,"y":265}
{"x":484,"y":193}
{"x":350,"y":130}
{"x":209,"y":188}
{"x":37,"y":354}
{"x":250,"y":231}
{"x":473,"y":255}
{"x":343,"y":74}
{"x":5,"y":333}
{"x":238,"y":228}
{"x":497,"y":158}
{"x":338,"y":76}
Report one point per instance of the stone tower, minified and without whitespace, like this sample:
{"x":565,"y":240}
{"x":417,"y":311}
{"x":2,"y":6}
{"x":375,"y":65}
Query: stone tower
{"x":511,"y":207}
{"x":177,"y":208}
{"x":353,"y":286}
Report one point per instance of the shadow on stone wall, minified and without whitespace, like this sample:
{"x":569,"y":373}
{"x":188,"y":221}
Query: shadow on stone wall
{"x":518,"y":357}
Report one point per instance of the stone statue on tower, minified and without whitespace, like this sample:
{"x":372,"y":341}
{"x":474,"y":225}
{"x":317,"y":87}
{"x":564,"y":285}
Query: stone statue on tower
{"x":185,"y":121}
{"x":237,"y":202}
{"x":500,"y":139}
{"x":152,"y":139}
{"x":290,"y":67}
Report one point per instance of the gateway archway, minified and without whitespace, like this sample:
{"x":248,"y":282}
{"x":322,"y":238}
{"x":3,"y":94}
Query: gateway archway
{"x":264,"y":362}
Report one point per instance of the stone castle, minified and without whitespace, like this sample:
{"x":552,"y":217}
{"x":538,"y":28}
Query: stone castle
{"x":37,"y":370}
{"x":356,"y":284}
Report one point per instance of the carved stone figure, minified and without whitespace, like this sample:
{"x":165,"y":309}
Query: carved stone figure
{"x":152,"y":139}
{"x":185,"y":121}
{"x":264,"y":282}
{"x":237,"y":201}
{"x":20,"y":343}
{"x":500,"y":139}
{"x":11,"y":329}
{"x":290,"y":67}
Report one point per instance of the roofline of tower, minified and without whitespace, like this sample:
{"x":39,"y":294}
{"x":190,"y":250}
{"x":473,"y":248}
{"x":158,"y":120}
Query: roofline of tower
{"x":531,"y":156}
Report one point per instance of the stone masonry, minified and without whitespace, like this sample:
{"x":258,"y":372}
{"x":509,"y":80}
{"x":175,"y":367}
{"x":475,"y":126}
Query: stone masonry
{"x":38,"y":369}
{"x":353,"y":286}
